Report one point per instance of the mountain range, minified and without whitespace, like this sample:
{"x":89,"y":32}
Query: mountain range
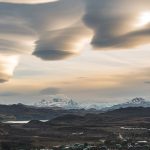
{"x":58,"y":103}
{"x":70,"y":104}
{"x":136,"y":102}
{"x":47,"y":110}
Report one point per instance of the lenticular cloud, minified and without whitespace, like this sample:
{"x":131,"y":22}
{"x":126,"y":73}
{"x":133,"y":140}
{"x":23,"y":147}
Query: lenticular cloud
{"x":58,"y":30}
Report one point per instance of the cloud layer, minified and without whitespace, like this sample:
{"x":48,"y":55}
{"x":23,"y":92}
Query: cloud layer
{"x":58,"y":30}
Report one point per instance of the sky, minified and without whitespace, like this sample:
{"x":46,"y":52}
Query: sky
{"x":86,"y":50}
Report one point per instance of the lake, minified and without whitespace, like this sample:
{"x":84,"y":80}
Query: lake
{"x":20,"y":122}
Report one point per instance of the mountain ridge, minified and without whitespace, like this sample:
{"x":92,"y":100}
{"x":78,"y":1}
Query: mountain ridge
{"x":71,"y":104}
{"x":135,"y":102}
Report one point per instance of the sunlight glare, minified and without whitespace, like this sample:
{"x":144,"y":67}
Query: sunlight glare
{"x":143,"y":19}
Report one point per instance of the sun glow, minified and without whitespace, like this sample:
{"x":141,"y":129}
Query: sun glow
{"x":143,"y":19}
{"x":9,"y":63}
{"x":80,"y":45}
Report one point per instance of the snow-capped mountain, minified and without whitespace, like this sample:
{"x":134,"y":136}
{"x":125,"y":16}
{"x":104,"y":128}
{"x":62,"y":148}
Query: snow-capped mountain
{"x":136,"y":102}
{"x":94,"y":105}
{"x":66,"y":103}
{"x":58,"y":102}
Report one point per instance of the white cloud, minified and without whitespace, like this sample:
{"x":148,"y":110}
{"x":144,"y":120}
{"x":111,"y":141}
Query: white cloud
{"x":7,"y":66}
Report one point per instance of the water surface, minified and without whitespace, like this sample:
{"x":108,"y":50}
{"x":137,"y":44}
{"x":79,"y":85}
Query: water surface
{"x":21,"y":122}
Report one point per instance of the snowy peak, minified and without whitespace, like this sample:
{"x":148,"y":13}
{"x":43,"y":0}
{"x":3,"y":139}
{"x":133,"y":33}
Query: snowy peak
{"x":58,"y":102}
{"x":137,"y":101}
{"x":66,"y":103}
{"x":72,"y":104}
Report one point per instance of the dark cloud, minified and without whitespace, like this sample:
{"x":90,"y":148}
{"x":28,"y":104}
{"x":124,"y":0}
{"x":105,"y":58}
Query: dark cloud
{"x":50,"y":91}
{"x":52,"y":54}
{"x":60,"y":44}
{"x":3,"y":80}
{"x":113,"y":23}
{"x":54,"y":45}
{"x":147,"y":82}
{"x":128,"y":40}
{"x":4,"y":77}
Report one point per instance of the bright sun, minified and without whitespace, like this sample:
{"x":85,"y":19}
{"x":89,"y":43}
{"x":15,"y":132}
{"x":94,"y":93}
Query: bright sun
{"x":143,"y":19}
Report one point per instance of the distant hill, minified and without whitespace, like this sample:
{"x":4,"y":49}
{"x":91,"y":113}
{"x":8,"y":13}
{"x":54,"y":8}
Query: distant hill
{"x":25,"y":112}
{"x":130,"y":115}
{"x":79,"y":128}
